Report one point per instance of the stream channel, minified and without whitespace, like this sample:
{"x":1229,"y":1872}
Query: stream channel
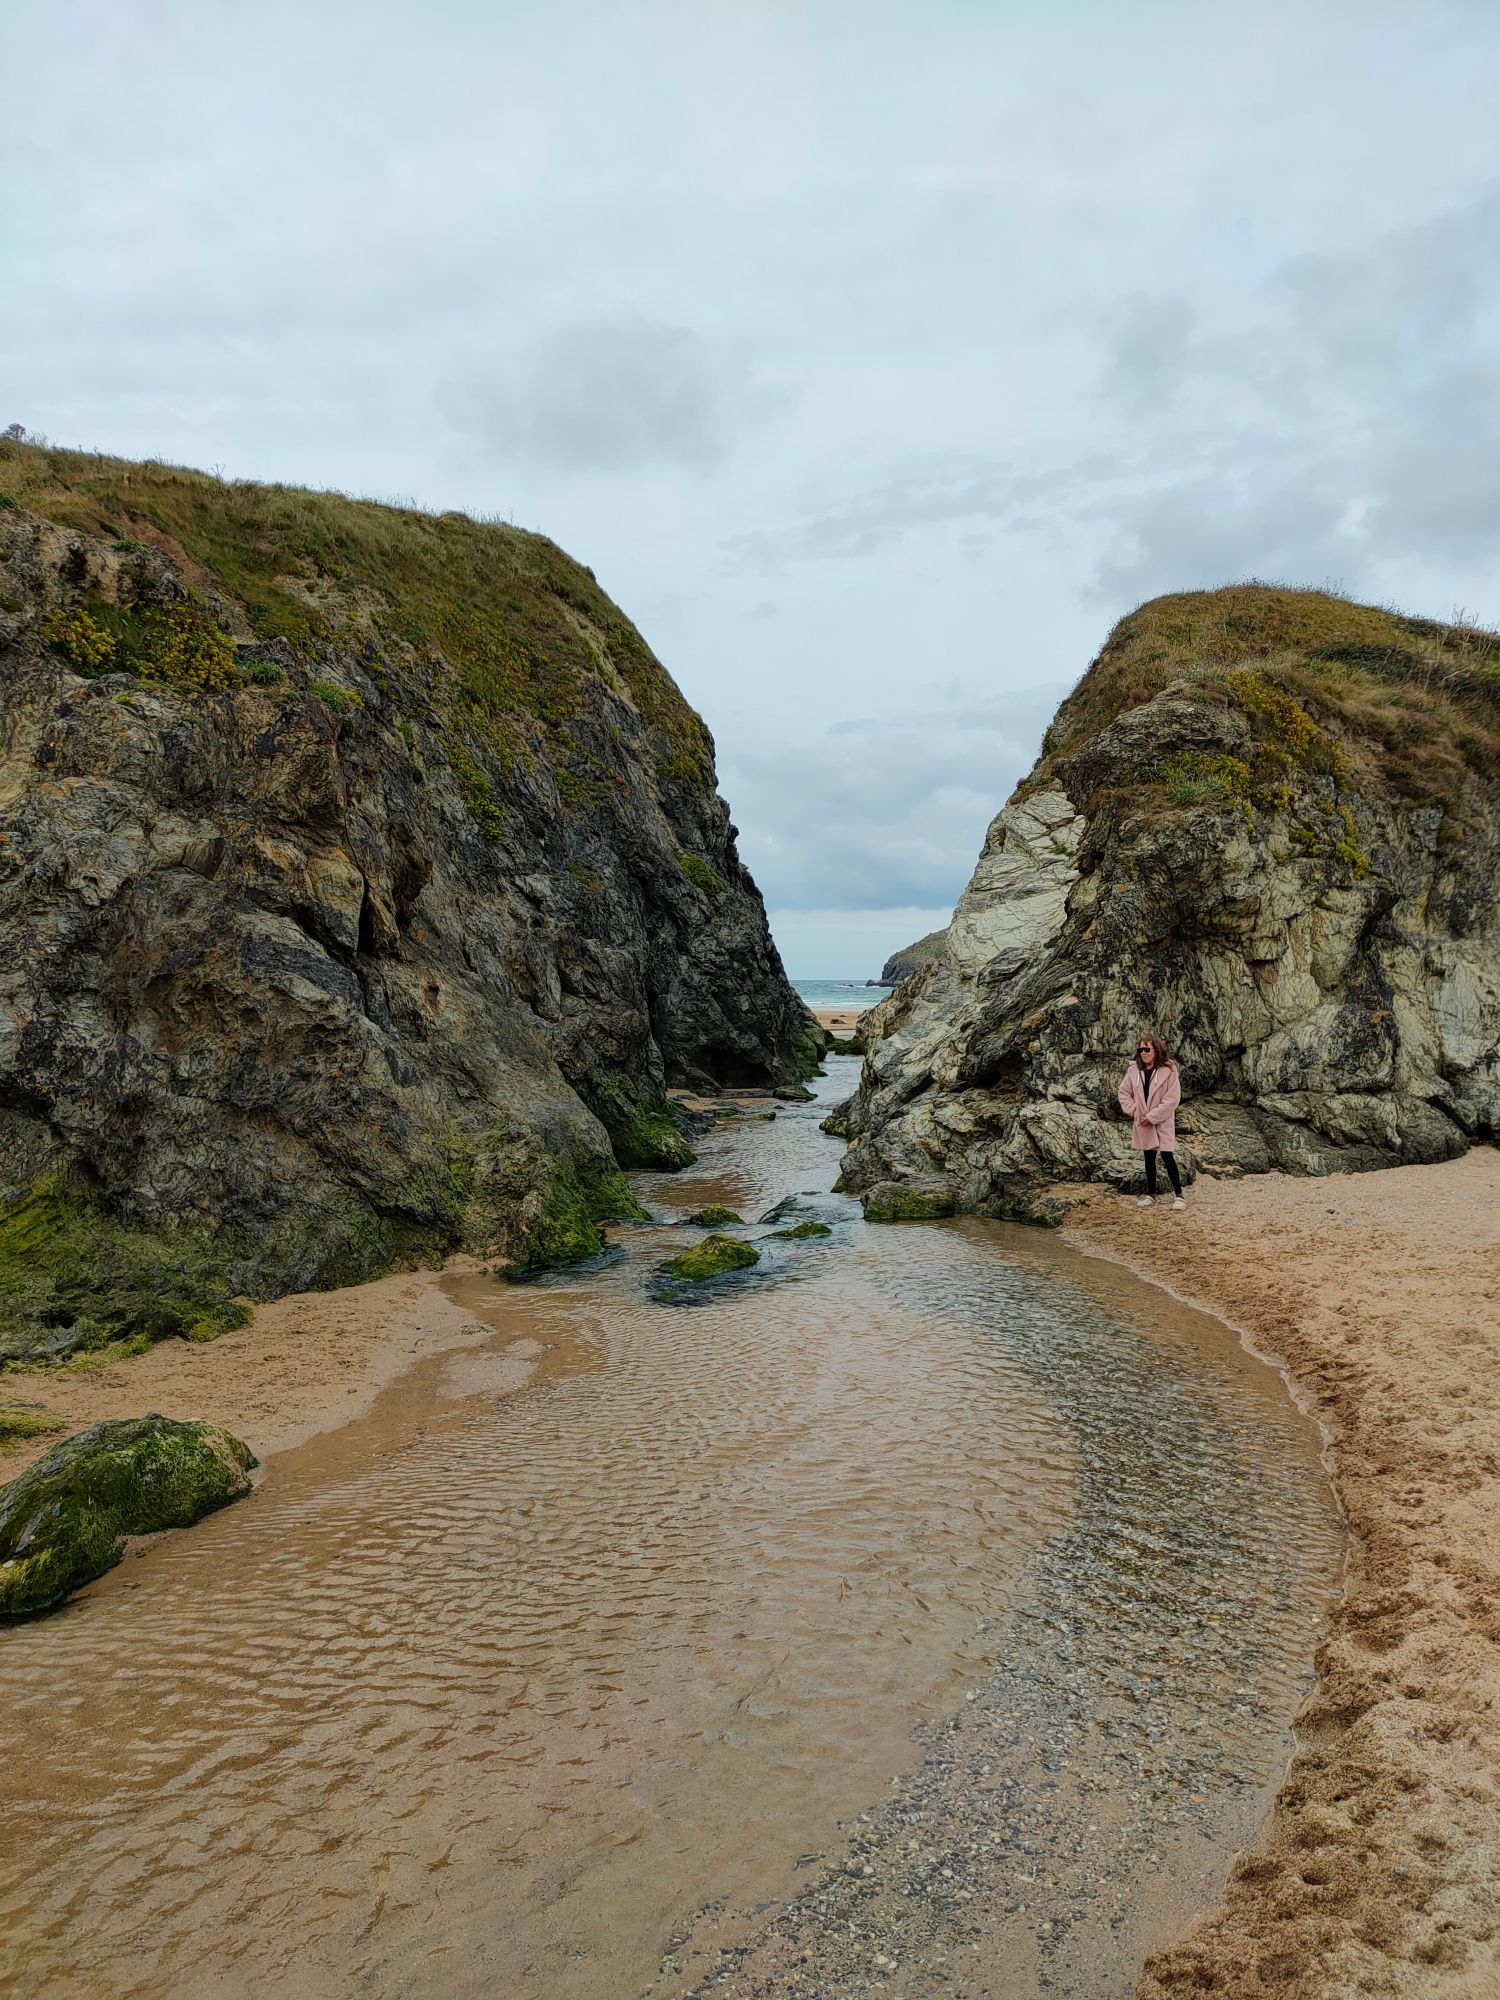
{"x":923,"y":1612}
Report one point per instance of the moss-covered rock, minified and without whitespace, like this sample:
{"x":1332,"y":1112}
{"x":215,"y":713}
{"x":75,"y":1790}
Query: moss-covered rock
{"x":715,"y":1216}
{"x":836,"y":1123}
{"x":64,"y":1521}
{"x":561,"y":1225}
{"x":903,"y":1201}
{"x":711,"y":1259}
{"x":20,"y":1421}
{"x":644,"y":1132}
{"x":802,"y":1232}
{"x":793,"y":1093}
{"x":71,"y":1278}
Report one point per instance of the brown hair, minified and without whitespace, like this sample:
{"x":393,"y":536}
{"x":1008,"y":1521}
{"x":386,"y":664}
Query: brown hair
{"x":1163,"y":1053}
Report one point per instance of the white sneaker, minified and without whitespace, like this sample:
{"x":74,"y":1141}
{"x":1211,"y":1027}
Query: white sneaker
{"x":1146,"y":1201}
{"x":1178,"y":1202}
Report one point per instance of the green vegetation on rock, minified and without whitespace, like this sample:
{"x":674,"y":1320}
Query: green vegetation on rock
{"x":64,"y":1521}
{"x":894,"y":1201}
{"x":711,"y":1258}
{"x":178,"y":643}
{"x":701,"y":875}
{"x":802,"y":1232}
{"x":562,"y":1227}
{"x":499,"y":632}
{"x":1333,"y":690}
{"x":642,"y":1130}
{"x":71,"y":1279}
{"x":901,"y":964}
{"x":793,"y":1093}
{"x":19,"y":1421}
{"x":715,"y":1216}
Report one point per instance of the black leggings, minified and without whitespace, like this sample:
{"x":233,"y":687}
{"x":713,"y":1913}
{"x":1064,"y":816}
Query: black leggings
{"x":1169,"y":1161}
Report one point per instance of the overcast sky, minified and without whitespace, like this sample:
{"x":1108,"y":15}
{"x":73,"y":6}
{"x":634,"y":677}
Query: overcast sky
{"x":877,"y":357}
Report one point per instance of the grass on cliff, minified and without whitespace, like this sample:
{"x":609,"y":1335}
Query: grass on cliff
{"x":507,"y":634}
{"x":1331,"y":687}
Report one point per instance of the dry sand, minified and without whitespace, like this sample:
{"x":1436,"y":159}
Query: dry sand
{"x":1379,"y":1294}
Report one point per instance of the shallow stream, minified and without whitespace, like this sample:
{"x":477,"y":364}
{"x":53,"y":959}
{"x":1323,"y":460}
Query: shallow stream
{"x":923,"y":1613}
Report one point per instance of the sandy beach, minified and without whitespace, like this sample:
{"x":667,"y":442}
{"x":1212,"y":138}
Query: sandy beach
{"x":303,"y":1365}
{"x":840,"y":1021}
{"x":1379,"y":1295}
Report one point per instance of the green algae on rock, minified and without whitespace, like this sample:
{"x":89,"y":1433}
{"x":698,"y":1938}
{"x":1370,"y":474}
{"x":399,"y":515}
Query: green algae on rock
{"x":715,"y":1216}
{"x":711,"y":1258}
{"x":641,"y":1127}
{"x":802,"y":1232}
{"x":336,"y":838}
{"x":20,"y":1421}
{"x":64,"y":1520}
{"x":902,"y":1201}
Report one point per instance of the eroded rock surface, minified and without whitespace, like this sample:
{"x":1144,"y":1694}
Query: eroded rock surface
{"x":363,"y":884}
{"x":1227,"y":845}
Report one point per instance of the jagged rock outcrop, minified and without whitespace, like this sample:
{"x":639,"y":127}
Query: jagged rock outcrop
{"x":912,"y":958}
{"x":1267,"y":824}
{"x":363,"y":883}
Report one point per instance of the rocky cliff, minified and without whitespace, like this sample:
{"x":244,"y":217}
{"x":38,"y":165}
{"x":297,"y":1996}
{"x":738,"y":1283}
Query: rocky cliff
{"x":912,"y":958}
{"x":1267,"y":824}
{"x":363,"y":883}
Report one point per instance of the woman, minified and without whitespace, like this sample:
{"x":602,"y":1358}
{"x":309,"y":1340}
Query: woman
{"x":1150,"y":1093}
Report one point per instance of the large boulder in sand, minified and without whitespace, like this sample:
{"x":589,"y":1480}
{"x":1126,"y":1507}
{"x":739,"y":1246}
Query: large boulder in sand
{"x":64,"y":1521}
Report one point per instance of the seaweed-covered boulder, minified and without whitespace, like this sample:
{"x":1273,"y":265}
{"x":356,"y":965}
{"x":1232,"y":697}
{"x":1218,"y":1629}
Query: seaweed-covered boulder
{"x":711,"y":1258}
{"x":64,"y":1521}
{"x":907,"y":1201}
{"x":715,"y":1216}
{"x":802,"y":1232}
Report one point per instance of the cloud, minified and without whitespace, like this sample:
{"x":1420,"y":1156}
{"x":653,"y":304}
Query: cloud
{"x":1343,"y":425}
{"x":871,"y":813}
{"x":921,"y":493}
{"x":616,"y":394}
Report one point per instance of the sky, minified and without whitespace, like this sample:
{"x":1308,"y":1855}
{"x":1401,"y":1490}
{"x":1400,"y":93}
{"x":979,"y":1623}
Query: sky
{"x":876,"y":357}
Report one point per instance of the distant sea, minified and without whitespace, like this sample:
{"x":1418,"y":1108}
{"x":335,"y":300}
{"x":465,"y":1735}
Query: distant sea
{"x":839,"y":992}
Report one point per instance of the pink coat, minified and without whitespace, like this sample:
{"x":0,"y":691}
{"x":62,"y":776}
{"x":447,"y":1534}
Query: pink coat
{"x":1153,"y":1126}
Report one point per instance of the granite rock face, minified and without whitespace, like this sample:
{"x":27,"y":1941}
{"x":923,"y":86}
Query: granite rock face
{"x":363,"y":884}
{"x":1236,"y":859}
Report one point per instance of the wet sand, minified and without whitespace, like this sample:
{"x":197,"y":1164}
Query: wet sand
{"x":1379,"y":1294}
{"x":925,"y":1618}
{"x":303,"y":1365}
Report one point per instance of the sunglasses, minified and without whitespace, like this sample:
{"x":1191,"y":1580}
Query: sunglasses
{"x":1145,"y":1049}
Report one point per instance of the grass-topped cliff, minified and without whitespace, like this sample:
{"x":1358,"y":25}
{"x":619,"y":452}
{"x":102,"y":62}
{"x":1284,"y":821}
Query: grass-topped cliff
{"x":497,"y":629}
{"x":1328,"y":687}
{"x":363,"y":883}
{"x":1266,"y":823}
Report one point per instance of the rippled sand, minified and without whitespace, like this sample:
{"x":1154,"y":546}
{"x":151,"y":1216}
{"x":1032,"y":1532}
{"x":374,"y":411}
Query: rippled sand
{"x":579,"y":1657}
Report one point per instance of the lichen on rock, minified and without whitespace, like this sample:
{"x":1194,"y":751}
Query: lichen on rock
{"x":64,"y":1520}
